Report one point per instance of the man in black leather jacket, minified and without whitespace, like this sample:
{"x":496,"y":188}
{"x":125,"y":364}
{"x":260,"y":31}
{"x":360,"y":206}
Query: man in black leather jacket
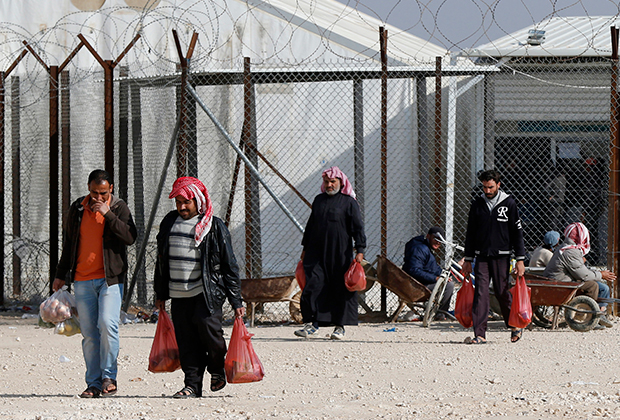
{"x":197,"y":269}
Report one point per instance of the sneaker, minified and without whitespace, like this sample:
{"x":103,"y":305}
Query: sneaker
{"x":308,"y":330}
{"x":605,"y":322}
{"x":338,"y":333}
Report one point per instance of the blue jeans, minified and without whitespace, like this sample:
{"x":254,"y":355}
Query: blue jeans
{"x":603,"y":292}
{"x":99,"y":307}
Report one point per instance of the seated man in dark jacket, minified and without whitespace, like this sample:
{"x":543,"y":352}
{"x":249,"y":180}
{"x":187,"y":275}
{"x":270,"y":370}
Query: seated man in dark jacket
{"x":420,"y":263}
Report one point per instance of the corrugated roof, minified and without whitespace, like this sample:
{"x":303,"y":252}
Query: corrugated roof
{"x":579,"y":36}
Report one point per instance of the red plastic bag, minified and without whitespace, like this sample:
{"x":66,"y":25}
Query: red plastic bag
{"x":521,"y":309}
{"x":355,"y":277}
{"x":242,"y":364}
{"x":300,"y":274}
{"x":464,"y":304}
{"x":164,"y":355}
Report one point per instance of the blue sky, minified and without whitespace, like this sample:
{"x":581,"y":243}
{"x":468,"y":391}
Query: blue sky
{"x":459,"y":24}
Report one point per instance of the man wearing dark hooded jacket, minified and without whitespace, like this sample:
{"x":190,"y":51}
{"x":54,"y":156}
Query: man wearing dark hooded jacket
{"x":420,"y":263}
{"x":493,"y":231}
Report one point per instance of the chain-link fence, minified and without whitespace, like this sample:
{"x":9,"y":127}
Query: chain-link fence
{"x":412,"y":155}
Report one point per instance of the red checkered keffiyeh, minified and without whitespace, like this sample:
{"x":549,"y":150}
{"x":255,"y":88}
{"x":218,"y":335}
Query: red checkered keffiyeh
{"x":578,"y":233}
{"x":335,"y":172}
{"x":190,"y":188}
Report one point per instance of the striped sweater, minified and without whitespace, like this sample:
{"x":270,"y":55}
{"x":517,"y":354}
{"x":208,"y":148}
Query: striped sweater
{"x":185,"y":272}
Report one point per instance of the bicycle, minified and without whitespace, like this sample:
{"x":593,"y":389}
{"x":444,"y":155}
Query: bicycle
{"x":451,"y":267}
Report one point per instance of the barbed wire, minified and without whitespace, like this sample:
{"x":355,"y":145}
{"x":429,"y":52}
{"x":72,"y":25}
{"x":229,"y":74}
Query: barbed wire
{"x":283,"y":29}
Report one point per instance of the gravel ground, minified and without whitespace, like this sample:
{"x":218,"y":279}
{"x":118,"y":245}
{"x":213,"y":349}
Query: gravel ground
{"x":380,"y":371}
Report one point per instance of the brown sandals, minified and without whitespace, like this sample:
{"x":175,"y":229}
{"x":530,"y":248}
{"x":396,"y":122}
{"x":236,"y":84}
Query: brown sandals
{"x":186,"y":392}
{"x":105,"y":387}
{"x":218,"y":381}
{"x":91,"y":392}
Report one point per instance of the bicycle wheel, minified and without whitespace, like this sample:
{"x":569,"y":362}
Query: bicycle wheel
{"x":543,"y":316}
{"x":433,"y":303}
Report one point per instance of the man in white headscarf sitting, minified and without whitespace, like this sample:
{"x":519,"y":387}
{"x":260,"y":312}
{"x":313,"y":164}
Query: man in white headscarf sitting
{"x":568,"y":264}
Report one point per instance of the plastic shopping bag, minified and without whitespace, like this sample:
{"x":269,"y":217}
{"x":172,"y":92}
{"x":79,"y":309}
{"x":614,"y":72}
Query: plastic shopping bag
{"x":464,"y":304}
{"x":355,"y":277}
{"x":68,"y":327}
{"x":242,"y":364}
{"x":164,"y":355}
{"x":521,"y":309}
{"x":300,"y":274}
{"x":44,"y":324}
{"x":58,"y":307}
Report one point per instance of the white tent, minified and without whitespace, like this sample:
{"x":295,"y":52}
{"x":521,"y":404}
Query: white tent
{"x":303,"y":127}
{"x":275,"y":30}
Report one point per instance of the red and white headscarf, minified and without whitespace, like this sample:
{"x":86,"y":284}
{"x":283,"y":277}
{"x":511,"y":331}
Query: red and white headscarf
{"x":335,"y":172}
{"x":190,"y":188}
{"x":578,"y":233}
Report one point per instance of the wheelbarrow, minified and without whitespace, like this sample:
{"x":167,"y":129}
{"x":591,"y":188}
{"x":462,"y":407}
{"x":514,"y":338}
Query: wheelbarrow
{"x":271,"y":289}
{"x":581,"y":313}
{"x":408,"y":290}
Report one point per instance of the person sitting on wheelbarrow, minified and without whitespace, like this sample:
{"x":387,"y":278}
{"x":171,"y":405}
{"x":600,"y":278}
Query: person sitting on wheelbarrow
{"x":420,"y":263}
{"x":568,"y":264}
{"x":542,"y":255}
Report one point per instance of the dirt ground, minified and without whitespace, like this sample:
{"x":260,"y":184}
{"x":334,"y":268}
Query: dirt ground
{"x":380,"y":371}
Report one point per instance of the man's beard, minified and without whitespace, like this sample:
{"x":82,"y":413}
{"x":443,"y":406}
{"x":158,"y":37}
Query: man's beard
{"x":186,"y":215}
{"x":331,"y":192}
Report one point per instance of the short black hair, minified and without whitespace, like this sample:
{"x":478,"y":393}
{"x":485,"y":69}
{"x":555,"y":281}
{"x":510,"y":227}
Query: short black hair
{"x":98,"y":176}
{"x":490,"y":175}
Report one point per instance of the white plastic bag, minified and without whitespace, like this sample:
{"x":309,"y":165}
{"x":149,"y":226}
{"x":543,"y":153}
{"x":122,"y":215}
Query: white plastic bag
{"x":68,"y":327}
{"x":58,"y":307}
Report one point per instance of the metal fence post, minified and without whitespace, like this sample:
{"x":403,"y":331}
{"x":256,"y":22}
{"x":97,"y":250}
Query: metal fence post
{"x":384,"y":118}
{"x":614,"y":167}
{"x":16,"y":171}
{"x":437,"y":173}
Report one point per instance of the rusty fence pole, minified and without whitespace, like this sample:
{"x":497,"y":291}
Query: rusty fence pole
{"x":108,"y":74}
{"x":137,"y":136}
{"x":3,"y":76}
{"x":437,"y":161}
{"x":614,"y":168}
{"x":383,"y":37}
{"x":237,"y":167}
{"x":122,"y":180}
{"x":65,"y":142}
{"x":16,"y":182}
{"x":253,"y":252}
{"x":358,"y":142}
{"x":138,"y":190}
{"x":54,"y":147}
{"x":186,"y":133}
{"x":54,"y":189}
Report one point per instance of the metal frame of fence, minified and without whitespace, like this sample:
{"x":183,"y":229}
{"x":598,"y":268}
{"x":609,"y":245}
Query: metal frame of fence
{"x":438,"y":145}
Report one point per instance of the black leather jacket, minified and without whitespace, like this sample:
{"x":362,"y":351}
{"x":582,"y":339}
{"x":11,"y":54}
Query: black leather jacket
{"x":220,"y":271}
